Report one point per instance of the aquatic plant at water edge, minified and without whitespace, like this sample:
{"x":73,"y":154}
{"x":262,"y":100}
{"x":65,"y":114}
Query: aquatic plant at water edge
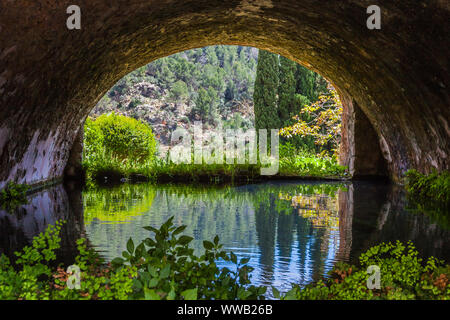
{"x":13,"y":195}
{"x":429,"y":195}
{"x":434,"y":186}
{"x":168,"y":269}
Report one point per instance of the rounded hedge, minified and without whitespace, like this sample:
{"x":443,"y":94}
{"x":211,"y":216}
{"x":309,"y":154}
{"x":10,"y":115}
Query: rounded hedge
{"x":122,"y":137}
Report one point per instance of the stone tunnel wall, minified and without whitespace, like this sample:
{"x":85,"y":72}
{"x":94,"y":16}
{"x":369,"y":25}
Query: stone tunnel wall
{"x":360,"y":149}
{"x":51,"y":77}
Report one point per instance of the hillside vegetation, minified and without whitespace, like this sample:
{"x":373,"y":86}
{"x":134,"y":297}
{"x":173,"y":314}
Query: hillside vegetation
{"x":213,"y":84}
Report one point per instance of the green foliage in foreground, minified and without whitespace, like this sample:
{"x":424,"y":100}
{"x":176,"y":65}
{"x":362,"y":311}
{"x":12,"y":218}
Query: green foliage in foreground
{"x":13,"y":195}
{"x":403,"y":277}
{"x":33,"y":278}
{"x":168,"y":269}
{"x":165,"y":267}
{"x":162,"y":267}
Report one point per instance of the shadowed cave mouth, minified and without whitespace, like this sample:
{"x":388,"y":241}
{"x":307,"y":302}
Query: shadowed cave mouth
{"x":227,"y":87}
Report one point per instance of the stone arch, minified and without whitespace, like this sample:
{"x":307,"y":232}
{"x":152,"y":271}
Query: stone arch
{"x":51,"y":77}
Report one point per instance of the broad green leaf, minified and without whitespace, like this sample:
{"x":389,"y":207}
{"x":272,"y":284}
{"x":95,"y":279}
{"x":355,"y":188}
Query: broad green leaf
{"x":208,"y":245}
{"x":179,"y":230}
{"x":276,"y":293}
{"x":165,"y":272}
{"x":190,"y":294}
{"x":150,"y":294}
{"x":150,"y":228}
{"x":117,"y":261}
{"x":153,"y":282}
{"x":130,"y":246}
{"x":183,"y":240}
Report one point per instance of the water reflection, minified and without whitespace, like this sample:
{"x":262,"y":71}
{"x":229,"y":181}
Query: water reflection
{"x":292,"y":231}
{"x":18,"y":228}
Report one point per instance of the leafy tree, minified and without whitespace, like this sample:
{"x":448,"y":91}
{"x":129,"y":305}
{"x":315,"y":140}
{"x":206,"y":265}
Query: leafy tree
{"x":134,"y":103}
{"x":179,"y":90}
{"x":325,"y":123}
{"x":230,"y":92}
{"x":206,"y":104}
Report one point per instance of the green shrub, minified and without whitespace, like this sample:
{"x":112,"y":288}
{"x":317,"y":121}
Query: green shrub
{"x":93,"y":141}
{"x":13,"y":195}
{"x":127,"y":138}
{"x":32,"y":264}
{"x":115,"y":144}
{"x":120,"y":137}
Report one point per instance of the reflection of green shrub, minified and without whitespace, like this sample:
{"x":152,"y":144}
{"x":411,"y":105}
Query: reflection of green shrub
{"x":403,"y":276}
{"x":13,"y":195}
{"x":117,"y":205}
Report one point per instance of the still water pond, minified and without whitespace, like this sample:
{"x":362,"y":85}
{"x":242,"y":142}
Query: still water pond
{"x":293,"y":232}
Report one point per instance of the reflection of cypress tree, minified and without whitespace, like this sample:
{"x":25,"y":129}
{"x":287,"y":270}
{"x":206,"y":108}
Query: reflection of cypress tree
{"x":303,"y":228}
{"x":313,"y":237}
{"x":265,"y":217}
{"x":317,"y":255}
{"x":285,"y":233}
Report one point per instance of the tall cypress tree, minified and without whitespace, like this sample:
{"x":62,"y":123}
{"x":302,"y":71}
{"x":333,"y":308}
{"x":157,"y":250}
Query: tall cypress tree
{"x":286,"y":91}
{"x":265,"y":92}
{"x":306,"y":83}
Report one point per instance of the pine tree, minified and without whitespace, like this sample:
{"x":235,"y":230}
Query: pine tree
{"x":265,"y":92}
{"x":286,"y":91}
